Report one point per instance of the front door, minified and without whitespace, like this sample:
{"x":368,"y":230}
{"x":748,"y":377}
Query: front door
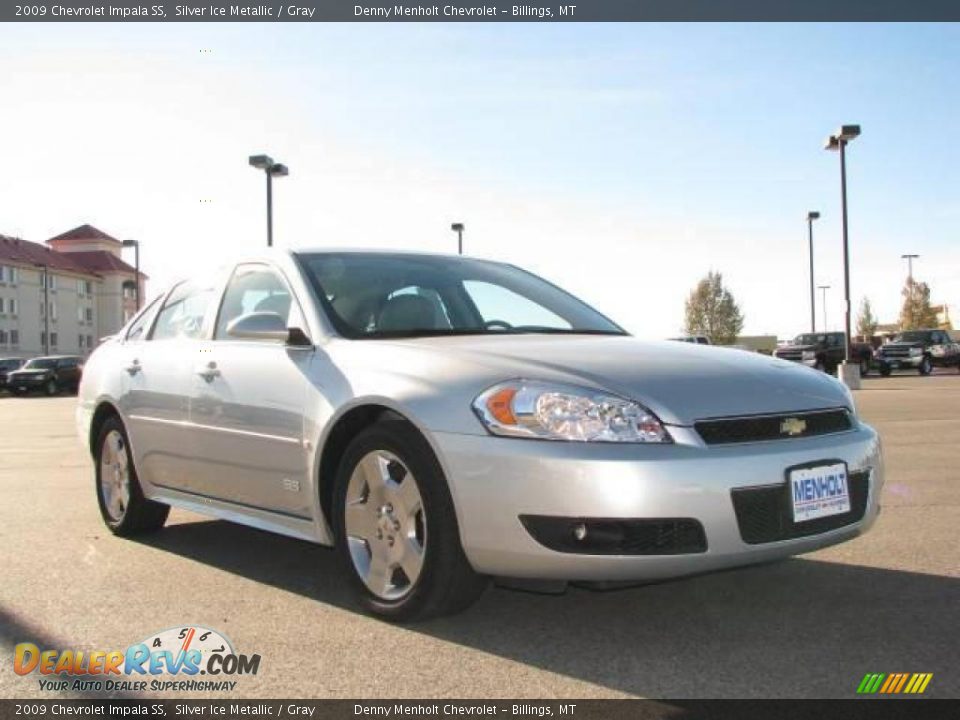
{"x":247,"y":403}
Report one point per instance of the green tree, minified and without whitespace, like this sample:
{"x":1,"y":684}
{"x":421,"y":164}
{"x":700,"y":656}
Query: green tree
{"x":916,"y":312}
{"x":712,"y":311}
{"x":866,"y":320}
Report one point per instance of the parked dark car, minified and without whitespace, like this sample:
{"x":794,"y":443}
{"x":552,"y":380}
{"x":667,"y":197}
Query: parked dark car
{"x":824,"y":351}
{"x":919,"y":350}
{"x":51,"y":375}
{"x":8,"y":365}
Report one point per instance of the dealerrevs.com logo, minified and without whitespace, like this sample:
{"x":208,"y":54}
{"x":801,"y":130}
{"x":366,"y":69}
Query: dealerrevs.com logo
{"x":185,"y":653}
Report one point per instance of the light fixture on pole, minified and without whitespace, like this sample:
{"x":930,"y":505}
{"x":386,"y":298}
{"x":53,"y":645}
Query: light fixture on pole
{"x":811,"y":216}
{"x":271,"y":169}
{"x":909,"y":259}
{"x":46,"y":307}
{"x":824,"y":288}
{"x":136,"y":267}
{"x":838,"y":141}
{"x":458,"y":229}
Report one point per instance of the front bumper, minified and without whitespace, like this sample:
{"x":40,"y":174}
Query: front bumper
{"x":28,"y":382}
{"x":495,"y":481}
{"x":901,"y":361}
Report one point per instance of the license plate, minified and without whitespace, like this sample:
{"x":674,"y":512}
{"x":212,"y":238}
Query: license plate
{"x":820,"y":491}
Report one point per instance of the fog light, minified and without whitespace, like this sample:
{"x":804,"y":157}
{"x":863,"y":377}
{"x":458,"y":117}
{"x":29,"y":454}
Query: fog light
{"x":580,"y":531}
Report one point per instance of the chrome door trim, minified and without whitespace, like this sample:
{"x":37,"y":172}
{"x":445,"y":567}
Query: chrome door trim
{"x":230,"y":431}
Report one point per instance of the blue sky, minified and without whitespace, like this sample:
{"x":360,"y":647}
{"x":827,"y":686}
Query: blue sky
{"x":623,"y":161}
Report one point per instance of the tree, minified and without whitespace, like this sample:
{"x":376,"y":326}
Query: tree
{"x":916,"y":312}
{"x":866,"y":321}
{"x":712,"y":311}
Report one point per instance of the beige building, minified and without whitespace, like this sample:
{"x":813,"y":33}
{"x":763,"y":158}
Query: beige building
{"x":89,"y":294}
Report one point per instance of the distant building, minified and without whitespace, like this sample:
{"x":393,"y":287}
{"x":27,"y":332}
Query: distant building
{"x":90,"y":293}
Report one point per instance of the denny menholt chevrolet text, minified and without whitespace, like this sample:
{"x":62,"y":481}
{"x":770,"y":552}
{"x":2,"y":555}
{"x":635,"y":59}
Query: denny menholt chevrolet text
{"x":444,"y":420}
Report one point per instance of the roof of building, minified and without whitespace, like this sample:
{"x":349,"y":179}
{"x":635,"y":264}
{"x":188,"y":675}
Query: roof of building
{"x":87,"y":262}
{"x":84,"y":233}
{"x":19,"y":251}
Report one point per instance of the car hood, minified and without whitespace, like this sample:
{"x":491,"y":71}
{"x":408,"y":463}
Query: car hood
{"x":901,"y":345}
{"x":680,"y":382}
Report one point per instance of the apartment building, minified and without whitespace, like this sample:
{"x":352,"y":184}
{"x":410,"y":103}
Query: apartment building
{"x":61,"y":297}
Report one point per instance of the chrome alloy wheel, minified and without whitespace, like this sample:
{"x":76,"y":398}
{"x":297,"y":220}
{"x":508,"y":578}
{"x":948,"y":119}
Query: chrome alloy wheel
{"x":115,"y":475}
{"x":385,"y":525}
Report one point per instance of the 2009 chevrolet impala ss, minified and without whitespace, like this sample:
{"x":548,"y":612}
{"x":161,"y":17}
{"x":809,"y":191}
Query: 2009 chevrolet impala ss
{"x":442,"y":420}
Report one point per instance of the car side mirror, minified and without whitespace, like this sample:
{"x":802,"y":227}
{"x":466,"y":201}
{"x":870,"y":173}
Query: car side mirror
{"x":266,"y":326}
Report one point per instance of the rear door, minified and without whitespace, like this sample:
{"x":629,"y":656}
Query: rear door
{"x":247,"y":402}
{"x":157,"y":367}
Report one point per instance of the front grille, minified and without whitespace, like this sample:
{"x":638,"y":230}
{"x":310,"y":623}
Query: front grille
{"x":658,"y":536}
{"x":764,"y":514}
{"x":758,"y":428}
{"x":895,"y":352}
{"x":794,"y":355}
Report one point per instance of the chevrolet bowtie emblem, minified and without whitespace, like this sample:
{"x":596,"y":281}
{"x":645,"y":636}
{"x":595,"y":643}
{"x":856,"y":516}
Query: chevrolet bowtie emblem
{"x":793,"y":426}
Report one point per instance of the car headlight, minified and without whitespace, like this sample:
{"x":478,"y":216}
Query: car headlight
{"x":808,"y":355}
{"x":916,"y":352}
{"x":548,"y":411}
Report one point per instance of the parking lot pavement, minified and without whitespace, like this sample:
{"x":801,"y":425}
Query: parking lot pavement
{"x":812,"y":626}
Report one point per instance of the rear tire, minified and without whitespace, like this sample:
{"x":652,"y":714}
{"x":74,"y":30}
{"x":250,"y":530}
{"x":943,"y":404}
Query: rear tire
{"x":395,"y":530}
{"x":122,"y":505}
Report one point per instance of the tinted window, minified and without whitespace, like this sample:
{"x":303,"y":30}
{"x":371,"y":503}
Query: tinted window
{"x":913,"y":336}
{"x":183,"y":312}
{"x":396,"y":295}
{"x":67,"y":363}
{"x":253,"y":288}
{"x":40,"y":364}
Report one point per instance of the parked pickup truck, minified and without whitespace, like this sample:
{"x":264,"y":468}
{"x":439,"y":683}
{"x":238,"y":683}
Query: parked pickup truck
{"x":919,"y":350}
{"x":824,"y":351}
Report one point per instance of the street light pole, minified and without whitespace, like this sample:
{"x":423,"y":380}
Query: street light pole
{"x":824,"y":288}
{"x":46,"y":309}
{"x":458,"y":229}
{"x":811,"y":216}
{"x":909,"y":259}
{"x":272,"y":169}
{"x":839,"y":141}
{"x":136,"y":266}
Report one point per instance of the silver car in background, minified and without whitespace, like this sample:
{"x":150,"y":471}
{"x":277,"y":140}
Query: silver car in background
{"x":444,"y":420}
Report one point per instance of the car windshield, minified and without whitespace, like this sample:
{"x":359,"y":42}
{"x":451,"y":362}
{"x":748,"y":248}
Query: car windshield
{"x":917,"y":336}
{"x":810,"y":339}
{"x":369,"y":295}
{"x":40,"y":364}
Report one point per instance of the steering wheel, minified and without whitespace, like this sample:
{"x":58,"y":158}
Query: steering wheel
{"x":494,"y":324}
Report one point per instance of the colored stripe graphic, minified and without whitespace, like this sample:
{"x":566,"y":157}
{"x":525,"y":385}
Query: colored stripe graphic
{"x":894,"y":683}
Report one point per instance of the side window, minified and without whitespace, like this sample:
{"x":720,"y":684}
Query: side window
{"x":498,"y":303}
{"x":183,"y":312}
{"x":139,"y":327}
{"x":253,"y":288}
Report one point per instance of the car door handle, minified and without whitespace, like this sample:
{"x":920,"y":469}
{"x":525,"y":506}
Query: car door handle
{"x":209,"y":371}
{"x":133,"y":368}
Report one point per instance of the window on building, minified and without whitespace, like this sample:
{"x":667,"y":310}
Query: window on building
{"x":87,"y":288}
{"x":53,"y":339}
{"x":3,"y":273}
{"x":89,"y":341}
{"x":12,"y":307}
{"x":43,"y":309}
{"x":43,"y":339}
{"x":14,"y":337}
{"x":80,"y":288}
{"x":80,"y":341}
{"x":53,"y":312}
{"x":80,"y":315}
{"x":53,"y":283}
{"x":3,"y":338}
{"x":3,"y":307}
{"x":13,"y":275}
{"x":88,"y":313}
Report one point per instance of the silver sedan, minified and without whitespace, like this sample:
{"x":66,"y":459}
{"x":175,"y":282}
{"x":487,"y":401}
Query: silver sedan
{"x":444,"y":420}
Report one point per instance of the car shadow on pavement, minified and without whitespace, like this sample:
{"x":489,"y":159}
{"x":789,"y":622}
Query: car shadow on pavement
{"x":798,"y":628}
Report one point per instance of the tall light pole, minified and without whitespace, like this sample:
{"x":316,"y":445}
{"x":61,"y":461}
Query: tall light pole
{"x":46,"y":308}
{"x":824,"y":288}
{"x":838,"y":141}
{"x":136,"y":266}
{"x":458,"y":229}
{"x":909,"y":259}
{"x":811,"y":216}
{"x":272,"y":170}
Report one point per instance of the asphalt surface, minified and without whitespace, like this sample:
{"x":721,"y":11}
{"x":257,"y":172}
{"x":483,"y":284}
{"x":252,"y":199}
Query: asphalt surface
{"x":808,"y":627}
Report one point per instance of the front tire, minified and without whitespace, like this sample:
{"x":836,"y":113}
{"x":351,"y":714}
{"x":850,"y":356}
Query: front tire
{"x":396,"y":528}
{"x":122,"y":505}
{"x":864,"y":367}
{"x":885,"y":370}
{"x":51,"y":387}
{"x":926,"y":367}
